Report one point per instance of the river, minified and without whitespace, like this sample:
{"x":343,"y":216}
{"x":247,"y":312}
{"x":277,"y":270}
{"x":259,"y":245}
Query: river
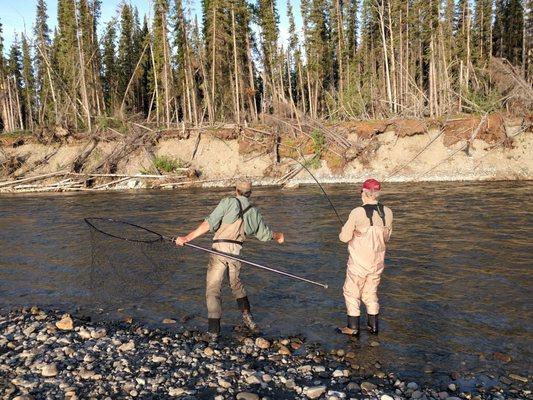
{"x":456,"y":289}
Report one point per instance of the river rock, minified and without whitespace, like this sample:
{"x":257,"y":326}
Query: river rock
{"x":127,"y":346}
{"x":247,"y":396}
{"x":224,"y":384}
{"x":85,"y":374}
{"x":416,"y":394}
{"x":452,"y":387}
{"x":169,"y":321}
{"x":284,"y":351}
{"x":314,"y":392}
{"x":386,"y":397}
{"x":368,"y":387}
{"x":412,"y":385}
{"x":253,"y":380}
{"x":175,"y":392}
{"x":98,"y":333}
{"x":338,"y":373}
{"x":353,"y":387}
{"x":65,"y":323}
{"x":158,"y":359}
{"x":84,"y":333}
{"x":262,"y":343}
{"x":208,"y":351}
{"x":266,"y":378}
{"x":518,"y":378}
{"x":49,"y":370}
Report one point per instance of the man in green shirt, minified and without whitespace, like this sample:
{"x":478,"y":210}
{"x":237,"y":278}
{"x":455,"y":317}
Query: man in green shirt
{"x":232,"y":221}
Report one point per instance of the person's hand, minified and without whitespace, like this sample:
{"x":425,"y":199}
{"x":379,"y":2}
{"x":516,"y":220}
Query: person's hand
{"x":180,"y":241}
{"x":278,"y":237}
{"x":356,"y":233}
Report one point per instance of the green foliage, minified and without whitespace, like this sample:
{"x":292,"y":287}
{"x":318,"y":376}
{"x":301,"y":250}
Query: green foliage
{"x":486,"y":100}
{"x":319,"y":147}
{"x":167,"y":164}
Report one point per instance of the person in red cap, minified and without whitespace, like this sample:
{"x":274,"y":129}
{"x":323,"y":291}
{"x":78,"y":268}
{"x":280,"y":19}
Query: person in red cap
{"x":367,"y":231}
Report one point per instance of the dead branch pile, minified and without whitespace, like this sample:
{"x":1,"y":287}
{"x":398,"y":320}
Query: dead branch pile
{"x":510,"y":82}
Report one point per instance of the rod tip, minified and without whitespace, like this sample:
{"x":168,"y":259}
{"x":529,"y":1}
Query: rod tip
{"x":326,"y":286}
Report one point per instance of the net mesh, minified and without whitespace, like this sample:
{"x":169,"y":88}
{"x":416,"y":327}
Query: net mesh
{"x":129,"y":262}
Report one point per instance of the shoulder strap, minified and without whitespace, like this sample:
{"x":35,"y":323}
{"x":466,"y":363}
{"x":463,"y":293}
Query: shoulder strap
{"x":370,"y":208}
{"x":241,"y":211}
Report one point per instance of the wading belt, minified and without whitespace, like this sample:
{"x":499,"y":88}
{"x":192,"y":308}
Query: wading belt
{"x":241,"y":217}
{"x":370,"y":208}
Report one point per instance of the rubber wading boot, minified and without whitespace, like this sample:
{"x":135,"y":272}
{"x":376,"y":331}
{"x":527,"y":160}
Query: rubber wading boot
{"x":214,"y":328}
{"x":244,"y":306}
{"x":352,"y":326}
{"x":372,"y":324}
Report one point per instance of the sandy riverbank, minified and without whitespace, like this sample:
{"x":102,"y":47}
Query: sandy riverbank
{"x":390,"y":151}
{"x":44,"y":354}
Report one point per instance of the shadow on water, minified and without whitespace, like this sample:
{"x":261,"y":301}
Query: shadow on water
{"x":457,"y":287}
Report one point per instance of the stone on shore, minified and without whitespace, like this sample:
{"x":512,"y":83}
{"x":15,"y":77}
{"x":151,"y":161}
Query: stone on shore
{"x":368,"y":387}
{"x":127,"y":346}
{"x":314,"y":392}
{"x":65,"y":323}
{"x":175,"y":392}
{"x":518,"y":378}
{"x":247,"y":396}
{"x":49,"y":370}
{"x":262,"y":343}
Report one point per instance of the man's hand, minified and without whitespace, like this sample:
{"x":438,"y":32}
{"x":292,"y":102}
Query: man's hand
{"x":278,"y":237}
{"x":180,"y":240}
{"x":356,"y":233}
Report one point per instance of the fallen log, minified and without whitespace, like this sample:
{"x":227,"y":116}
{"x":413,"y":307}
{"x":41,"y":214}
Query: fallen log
{"x":32,"y":178}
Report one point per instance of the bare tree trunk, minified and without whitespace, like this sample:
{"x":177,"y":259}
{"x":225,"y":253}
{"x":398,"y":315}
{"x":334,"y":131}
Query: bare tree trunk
{"x":213,"y":60}
{"x":236,"y":69}
{"x":84,"y":96}
{"x":381,"y":11}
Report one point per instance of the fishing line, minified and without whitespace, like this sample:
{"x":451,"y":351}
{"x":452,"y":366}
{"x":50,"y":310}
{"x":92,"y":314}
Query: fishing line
{"x":321,"y":188}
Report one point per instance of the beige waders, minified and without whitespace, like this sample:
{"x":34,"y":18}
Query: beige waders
{"x":365,"y":264}
{"x":228,"y":239}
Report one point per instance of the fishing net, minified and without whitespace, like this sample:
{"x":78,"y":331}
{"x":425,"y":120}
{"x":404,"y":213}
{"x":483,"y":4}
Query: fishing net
{"x":129,"y":262}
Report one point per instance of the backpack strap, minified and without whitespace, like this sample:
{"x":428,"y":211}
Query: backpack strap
{"x":369,"y":210}
{"x":241,"y":211}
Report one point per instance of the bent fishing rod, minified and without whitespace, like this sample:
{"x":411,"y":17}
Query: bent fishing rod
{"x":234,"y":258}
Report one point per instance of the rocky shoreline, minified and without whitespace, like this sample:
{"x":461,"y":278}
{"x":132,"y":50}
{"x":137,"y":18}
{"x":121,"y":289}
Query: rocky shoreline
{"x":46,"y":354}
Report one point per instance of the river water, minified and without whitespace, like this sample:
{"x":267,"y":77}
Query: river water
{"x":457,"y":287}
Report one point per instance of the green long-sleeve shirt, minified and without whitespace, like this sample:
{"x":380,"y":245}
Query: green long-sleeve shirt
{"x":227,"y":212}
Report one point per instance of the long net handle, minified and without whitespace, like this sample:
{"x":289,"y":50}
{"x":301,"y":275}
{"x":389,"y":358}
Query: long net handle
{"x":232,"y":257}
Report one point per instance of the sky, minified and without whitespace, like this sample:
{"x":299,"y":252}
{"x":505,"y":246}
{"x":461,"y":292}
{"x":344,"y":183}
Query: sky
{"x":19,"y":15}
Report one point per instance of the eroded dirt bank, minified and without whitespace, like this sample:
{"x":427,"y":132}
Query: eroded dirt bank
{"x":489,"y":147}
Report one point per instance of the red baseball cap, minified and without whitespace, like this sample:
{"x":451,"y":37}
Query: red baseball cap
{"x":371,"y":184}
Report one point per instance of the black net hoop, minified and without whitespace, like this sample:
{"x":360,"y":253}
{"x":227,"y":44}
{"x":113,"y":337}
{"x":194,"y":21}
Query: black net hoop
{"x":129,"y":263}
{"x":123,"y":230}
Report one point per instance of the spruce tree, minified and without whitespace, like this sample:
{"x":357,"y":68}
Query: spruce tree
{"x":110,"y":68}
{"x":126,"y":55}
{"x":483,"y":31}
{"x":28,"y":91}
{"x":43,"y":75}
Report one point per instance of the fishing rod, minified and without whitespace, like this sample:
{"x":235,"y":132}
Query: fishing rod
{"x":234,"y":258}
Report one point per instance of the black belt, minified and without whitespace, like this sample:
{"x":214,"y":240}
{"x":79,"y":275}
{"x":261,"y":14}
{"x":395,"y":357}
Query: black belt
{"x":228,"y":241}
